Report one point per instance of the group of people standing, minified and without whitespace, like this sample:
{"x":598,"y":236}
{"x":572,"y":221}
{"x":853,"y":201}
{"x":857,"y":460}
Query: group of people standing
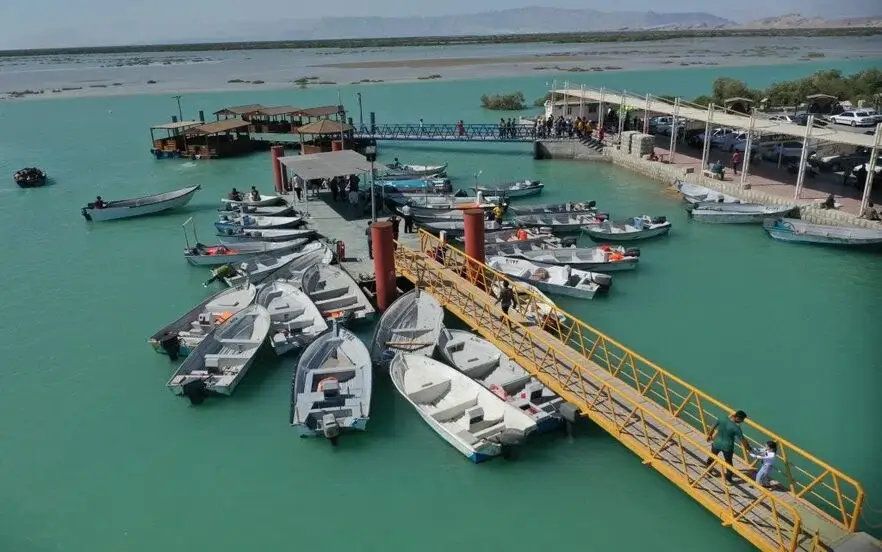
{"x":562,"y":127}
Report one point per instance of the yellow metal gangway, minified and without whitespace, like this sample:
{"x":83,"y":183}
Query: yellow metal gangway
{"x":657,"y":415}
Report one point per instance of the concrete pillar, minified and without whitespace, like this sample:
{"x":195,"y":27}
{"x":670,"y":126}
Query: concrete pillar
{"x":275,"y":153}
{"x":474,"y":243}
{"x":748,"y":149}
{"x":708,"y":128}
{"x":646,"y":116}
{"x":384,"y":263}
{"x":803,"y":156}
{"x":675,"y":128}
{"x":871,"y":166}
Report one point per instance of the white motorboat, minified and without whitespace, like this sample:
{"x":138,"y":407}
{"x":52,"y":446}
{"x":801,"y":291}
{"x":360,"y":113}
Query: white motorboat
{"x":693,"y":193}
{"x":127,"y":208}
{"x":264,"y":201}
{"x":637,"y":228}
{"x":416,"y":170}
{"x":463,"y":412}
{"x":213,"y":255}
{"x":331,"y":390}
{"x":295,"y":319}
{"x":436,"y":201}
{"x":561,"y":222}
{"x":260,"y":267}
{"x":293,"y":272}
{"x":180,"y":337}
{"x":540,"y":310}
{"x":335,"y":293}
{"x":562,"y":280}
{"x":248,"y":222}
{"x":456,"y":228}
{"x":411,"y":324}
{"x":736,"y":213}
{"x":521,"y":188}
{"x":604,"y":258}
{"x":233,"y":235}
{"x":485,"y":363}
{"x":220,"y":361}
{"x":555,"y":208}
{"x":795,"y":230}
{"x":239,"y":209}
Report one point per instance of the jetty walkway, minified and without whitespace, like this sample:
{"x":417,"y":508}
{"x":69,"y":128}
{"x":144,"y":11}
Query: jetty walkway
{"x":660,"y":417}
{"x":451,"y":133}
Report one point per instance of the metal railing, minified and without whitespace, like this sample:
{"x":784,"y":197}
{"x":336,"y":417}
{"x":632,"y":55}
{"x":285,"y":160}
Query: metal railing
{"x":806,"y":479}
{"x":453,"y":132}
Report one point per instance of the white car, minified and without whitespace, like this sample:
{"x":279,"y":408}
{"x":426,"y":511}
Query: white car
{"x":783,"y":119}
{"x":856,"y":118}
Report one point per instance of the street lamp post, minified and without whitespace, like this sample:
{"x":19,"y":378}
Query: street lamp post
{"x":180,"y":111}
{"x":370,"y":153}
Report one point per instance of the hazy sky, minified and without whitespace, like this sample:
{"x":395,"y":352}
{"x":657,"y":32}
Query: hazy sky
{"x":53,"y":23}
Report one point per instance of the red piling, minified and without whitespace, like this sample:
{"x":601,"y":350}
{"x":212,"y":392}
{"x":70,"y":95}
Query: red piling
{"x":275,"y":153}
{"x":474,"y":241}
{"x":384,"y":263}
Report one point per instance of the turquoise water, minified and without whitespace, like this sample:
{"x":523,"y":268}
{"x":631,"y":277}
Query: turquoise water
{"x":97,"y":455}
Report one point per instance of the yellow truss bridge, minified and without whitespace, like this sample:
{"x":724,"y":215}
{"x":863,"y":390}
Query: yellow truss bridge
{"x":657,"y":415}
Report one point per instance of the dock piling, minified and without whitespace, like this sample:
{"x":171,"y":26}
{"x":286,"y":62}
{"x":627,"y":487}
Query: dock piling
{"x":474,"y":238}
{"x":275,"y":153}
{"x":384,"y":263}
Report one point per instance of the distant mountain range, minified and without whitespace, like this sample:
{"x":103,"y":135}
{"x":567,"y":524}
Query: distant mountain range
{"x":511,"y":21}
{"x":799,"y":21}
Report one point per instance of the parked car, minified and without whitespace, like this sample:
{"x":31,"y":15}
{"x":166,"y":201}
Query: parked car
{"x":837,"y":163}
{"x":736,"y":141}
{"x":801,"y":119}
{"x":784,"y":150}
{"x":856,"y":118}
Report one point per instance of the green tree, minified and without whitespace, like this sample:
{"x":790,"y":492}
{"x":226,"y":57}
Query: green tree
{"x":504,"y":102}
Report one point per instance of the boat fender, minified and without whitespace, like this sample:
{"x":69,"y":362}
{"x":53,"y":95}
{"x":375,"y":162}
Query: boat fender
{"x":659,"y":220}
{"x":632,"y":252}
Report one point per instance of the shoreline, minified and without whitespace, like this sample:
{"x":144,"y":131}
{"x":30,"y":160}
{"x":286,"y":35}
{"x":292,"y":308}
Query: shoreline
{"x":399,"y":42}
{"x":557,"y":73}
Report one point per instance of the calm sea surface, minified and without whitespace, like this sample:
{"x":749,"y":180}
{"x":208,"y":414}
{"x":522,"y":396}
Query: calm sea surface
{"x":96,"y":455}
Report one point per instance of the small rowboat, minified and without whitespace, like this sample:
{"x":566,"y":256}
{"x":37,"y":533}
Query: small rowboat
{"x":521,"y":188}
{"x":795,"y":230}
{"x":561,"y":222}
{"x":29,"y":177}
{"x":736,"y":213}
{"x":239,"y":234}
{"x":136,"y":207}
{"x":249,"y":222}
{"x":554,"y":208}
{"x":693,"y":193}
{"x":414,"y":170}
{"x":455,"y":228}
{"x":264,"y":201}
{"x":242,"y":209}
{"x":562,"y":280}
{"x":638,"y":228}
{"x":212,"y":255}
{"x":600,"y":259}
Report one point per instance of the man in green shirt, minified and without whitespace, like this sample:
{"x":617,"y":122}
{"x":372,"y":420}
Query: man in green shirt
{"x":722,"y":437}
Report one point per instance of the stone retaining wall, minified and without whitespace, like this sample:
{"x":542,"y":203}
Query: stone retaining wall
{"x":670,"y":173}
{"x":567,"y":149}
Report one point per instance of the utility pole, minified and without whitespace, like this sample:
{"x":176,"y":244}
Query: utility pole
{"x":180,"y":112}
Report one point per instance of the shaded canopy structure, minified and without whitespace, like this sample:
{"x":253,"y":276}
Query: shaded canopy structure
{"x":328,"y":164}
{"x":738,"y":105}
{"x":325,"y":127}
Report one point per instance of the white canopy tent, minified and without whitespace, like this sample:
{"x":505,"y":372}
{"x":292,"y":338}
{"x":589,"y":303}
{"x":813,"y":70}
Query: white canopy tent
{"x":331,"y":164}
{"x":718,"y":116}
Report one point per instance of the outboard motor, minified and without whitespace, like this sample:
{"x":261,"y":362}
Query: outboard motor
{"x":460,"y":193}
{"x":659,"y":220}
{"x":86,"y":214}
{"x":195,"y":391}
{"x":602,"y":280}
{"x":568,"y":242}
{"x":592,"y":204}
{"x":171,"y":344}
{"x":330,"y":428}
{"x":632,"y":252}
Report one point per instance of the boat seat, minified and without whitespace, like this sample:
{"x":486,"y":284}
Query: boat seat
{"x":296,"y":324}
{"x":477,"y":366}
{"x":455,"y":345}
{"x":455,"y":410}
{"x":221,"y":360}
{"x":466,"y":437}
{"x":232,"y":341}
{"x":487,"y":428}
{"x":328,"y":293}
{"x":515,"y":381}
{"x":430,"y":391}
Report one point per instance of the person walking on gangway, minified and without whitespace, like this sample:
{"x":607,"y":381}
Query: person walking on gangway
{"x":506,"y":298}
{"x":722,"y":436}
{"x":767,"y":456}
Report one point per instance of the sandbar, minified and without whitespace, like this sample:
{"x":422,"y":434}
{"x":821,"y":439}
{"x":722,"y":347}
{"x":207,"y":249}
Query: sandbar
{"x":452,"y":62}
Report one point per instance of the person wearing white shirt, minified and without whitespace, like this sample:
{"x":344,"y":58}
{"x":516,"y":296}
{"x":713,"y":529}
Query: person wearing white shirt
{"x":767,"y":455}
{"x":408,"y":218}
